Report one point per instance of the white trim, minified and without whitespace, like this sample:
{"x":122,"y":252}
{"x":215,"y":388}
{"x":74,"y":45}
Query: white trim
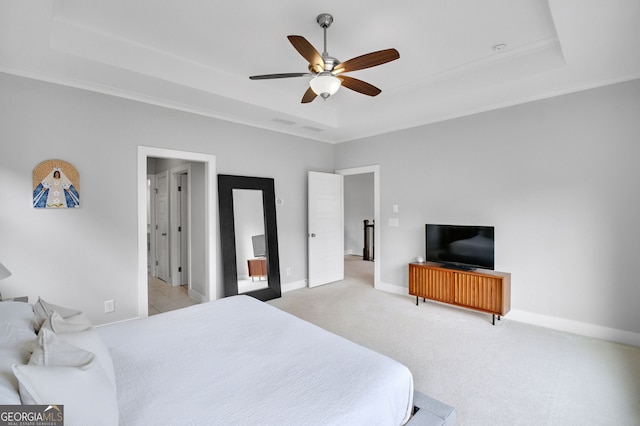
{"x":576,"y":327}
{"x":394,"y":289}
{"x":553,"y":323}
{"x":195,"y":295}
{"x":293,"y":286}
{"x":151,"y":201}
{"x":174,"y":241}
{"x":211,"y":192}
{"x":375,"y":169}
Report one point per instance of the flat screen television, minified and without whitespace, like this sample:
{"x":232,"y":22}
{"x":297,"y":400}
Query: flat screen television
{"x":460,"y":246}
{"x":259,"y":246}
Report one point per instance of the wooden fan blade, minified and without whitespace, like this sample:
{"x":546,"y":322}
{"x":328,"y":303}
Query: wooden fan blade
{"x":286,"y":75}
{"x":367,"y":61}
{"x":308,"y":96}
{"x":359,"y":86}
{"x":316,"y":63}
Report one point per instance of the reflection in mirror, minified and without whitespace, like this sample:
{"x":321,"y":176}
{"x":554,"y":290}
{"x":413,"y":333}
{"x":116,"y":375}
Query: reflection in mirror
{"x":251,"y":250}
{"x":249,"y":236}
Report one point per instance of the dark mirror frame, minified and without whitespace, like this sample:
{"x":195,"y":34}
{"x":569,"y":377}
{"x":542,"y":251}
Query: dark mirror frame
{"x":226,"y":185}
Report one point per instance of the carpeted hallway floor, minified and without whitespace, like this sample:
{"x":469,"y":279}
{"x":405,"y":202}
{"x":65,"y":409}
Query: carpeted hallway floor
{"x":508,"y":374}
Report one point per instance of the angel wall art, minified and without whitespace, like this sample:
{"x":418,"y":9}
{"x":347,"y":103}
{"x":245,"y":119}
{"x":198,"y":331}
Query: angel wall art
{"x":56,"y":185}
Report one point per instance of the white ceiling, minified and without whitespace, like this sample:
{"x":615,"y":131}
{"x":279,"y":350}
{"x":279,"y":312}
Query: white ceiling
{"x":197,"y":55}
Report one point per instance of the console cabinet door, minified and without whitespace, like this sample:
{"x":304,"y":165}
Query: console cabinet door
{"x":434,"y":284}
{"x":478,"y":292}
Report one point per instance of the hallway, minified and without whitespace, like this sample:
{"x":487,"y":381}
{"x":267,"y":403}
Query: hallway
{"x":163,"y":297}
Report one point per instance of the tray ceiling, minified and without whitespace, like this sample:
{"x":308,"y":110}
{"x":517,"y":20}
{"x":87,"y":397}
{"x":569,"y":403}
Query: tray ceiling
{"x":197,"y":55}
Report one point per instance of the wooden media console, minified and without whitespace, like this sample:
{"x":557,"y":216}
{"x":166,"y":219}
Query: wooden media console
{"x":480,"y":289}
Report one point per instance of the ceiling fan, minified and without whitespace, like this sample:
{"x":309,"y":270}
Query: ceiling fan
{"x":327,"y":72}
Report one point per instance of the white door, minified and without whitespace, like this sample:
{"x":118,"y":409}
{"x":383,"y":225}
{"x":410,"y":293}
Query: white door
{"x":183,"y":228}
{"x":162,"y":225}
{"x":326,"y":223}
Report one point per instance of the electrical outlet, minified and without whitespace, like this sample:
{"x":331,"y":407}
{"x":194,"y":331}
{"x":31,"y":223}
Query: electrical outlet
{"x":109,"y":306}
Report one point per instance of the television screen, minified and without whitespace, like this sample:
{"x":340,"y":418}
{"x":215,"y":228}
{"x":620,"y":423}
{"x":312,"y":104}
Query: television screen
{"x":259,"y":246}
{"x":462,"y":246}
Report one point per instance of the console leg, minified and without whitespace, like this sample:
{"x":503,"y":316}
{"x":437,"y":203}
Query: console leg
{"x":416,"y":300}
{"x":493,"y":319}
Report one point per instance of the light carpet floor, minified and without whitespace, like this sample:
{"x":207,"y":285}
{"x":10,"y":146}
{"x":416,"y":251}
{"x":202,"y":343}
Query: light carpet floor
{"x":508,"y":374}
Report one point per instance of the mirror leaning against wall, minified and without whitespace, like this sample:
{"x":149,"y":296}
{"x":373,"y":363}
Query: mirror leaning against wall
{"x":249,"y":236}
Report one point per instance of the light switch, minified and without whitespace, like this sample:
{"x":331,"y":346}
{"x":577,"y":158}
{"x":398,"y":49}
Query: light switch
{"x":394,"y":222}
{"x":395,"y":208}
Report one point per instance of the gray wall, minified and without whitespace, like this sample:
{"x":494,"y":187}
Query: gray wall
{"x":83,"y":257}
{"x":557,"y":178}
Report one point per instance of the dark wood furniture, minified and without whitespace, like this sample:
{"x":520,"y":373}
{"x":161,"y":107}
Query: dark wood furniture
{"x":480,"y":289}
{"x":257,"y":267}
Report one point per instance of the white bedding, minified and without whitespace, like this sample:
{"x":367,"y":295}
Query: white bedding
{"x":241,"y":361}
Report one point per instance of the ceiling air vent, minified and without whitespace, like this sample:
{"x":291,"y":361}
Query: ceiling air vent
{"x":313,"y":129}
{"x":283,"y":121}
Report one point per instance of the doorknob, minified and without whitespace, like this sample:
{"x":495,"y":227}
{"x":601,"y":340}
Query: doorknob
{"x":164,"y":234}
{"x":312,"y":235}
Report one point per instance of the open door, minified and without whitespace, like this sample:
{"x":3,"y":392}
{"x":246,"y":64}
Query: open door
{"x":183,"y":228}
{"x":162,"y":226}
{"x":326,"y":223}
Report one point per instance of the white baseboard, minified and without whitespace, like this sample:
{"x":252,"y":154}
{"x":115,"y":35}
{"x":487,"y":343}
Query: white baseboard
{"x":576,"y":327}
{"x":392,"y":288}
{"x":293,"y":286}
{"x":554,"y":323}
{"x":196,"y":295}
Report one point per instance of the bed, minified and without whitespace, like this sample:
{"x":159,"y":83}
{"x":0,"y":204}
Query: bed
{"x":239,"y":361}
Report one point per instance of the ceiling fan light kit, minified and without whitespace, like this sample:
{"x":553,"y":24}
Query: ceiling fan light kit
{"x":325,"y":84}
{"x":326,"y":71}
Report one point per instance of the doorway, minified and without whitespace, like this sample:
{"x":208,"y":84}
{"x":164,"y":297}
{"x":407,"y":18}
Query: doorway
{"x":359,"y":227}
{"x":368,"y":182}
{"x":169,"y":222}
{"x":197,"y":249}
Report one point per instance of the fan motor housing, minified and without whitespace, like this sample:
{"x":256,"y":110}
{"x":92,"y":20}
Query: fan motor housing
{"x":330,"y":62}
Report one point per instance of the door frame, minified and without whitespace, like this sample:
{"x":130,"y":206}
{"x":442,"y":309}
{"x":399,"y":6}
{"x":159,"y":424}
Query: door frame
{"x":183,"y":271}
{"x":161,"y":207}
{"x":175,"y":241}
{"x":211,"y":195}
{"x":375,"y":169}
{"x":151,"y":201}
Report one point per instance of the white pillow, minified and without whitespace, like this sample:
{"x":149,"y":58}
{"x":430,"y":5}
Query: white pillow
{"x":57,"y":353}
{"x":16,"y":324}
{"x":85,"y":392}
{"x":90,"y":340}
{"x":43,"y":311}
{"x":69,"y":324}
{"x":60,"y":373}
{"x":17,"y":340}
